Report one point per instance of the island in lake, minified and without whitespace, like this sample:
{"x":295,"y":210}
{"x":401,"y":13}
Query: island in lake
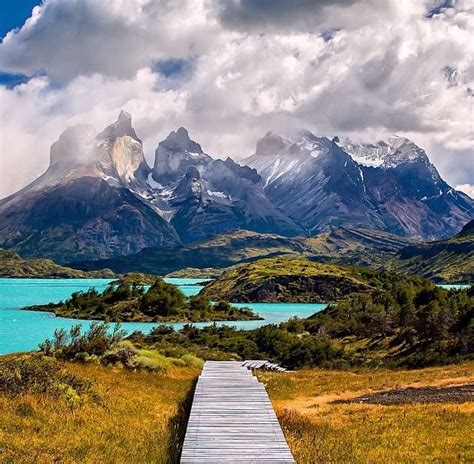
{"x":291,"y":280}
{"x":162,"y":302}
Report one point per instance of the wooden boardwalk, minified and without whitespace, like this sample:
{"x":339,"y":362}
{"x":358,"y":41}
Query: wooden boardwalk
{"x":232,"y":419}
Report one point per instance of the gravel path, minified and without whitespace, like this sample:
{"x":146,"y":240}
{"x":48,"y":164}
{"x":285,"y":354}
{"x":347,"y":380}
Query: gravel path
{"x":454,"y":394}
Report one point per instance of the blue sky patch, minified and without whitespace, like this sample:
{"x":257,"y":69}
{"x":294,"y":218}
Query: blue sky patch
{"x":440,"y":7}
{"x":14,"y":13}
{"x":11,"y":80}
{"x":174,"y":67}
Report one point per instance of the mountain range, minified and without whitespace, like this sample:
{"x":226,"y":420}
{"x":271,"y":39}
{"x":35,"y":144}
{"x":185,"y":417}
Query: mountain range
{"x":390,"y":185}
{"x":99,"y":199}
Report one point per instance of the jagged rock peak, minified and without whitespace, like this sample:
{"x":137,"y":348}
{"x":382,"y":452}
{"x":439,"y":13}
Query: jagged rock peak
{"x":243,"y":171}
{"x":180,"y":141}
{"x":120,"y":128}
{"x":193,"y":174}
{"x":270,"y":144}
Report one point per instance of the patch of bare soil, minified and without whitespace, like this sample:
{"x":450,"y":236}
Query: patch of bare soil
{"x":449,"y":394}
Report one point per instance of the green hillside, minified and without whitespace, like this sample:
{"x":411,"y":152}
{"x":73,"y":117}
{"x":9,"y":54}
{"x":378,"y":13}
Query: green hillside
{"x":288,"y":279}
{"x":12,"y":265}
{"x":347,"y":246}
{"x":448,"y":261}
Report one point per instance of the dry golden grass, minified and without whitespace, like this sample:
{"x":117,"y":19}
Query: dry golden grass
{"x":319,"y":431}
{"x":141,"y":420}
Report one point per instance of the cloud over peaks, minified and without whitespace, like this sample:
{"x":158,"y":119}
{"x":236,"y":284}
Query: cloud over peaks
{"x":231,"y":70}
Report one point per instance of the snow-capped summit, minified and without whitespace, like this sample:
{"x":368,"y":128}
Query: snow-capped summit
{"x":304,"y":142}
{"x":390,"y":185}
{"x":100,"y":199}
{"x":200,"y":195}
{"x":385,"y":154}
{"x":276,"y":156}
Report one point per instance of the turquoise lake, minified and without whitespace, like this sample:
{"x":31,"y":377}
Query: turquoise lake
{"x":24,"y":330}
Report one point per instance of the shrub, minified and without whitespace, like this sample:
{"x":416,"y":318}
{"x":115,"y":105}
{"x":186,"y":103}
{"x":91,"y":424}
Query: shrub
{"x":96,"y":341}
{"x":192,"y":361}
{"x":40,"y":374}
{"x":152,"y":364}
{"x":120,"y":354}
{"x":162,"y":299}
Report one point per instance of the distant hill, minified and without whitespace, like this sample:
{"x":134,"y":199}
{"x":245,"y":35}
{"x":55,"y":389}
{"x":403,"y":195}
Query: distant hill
{"x":12,"y":265}
{"x":348,"y":246}
{"x":449,"y":261}
{"x":287,"y":279}
{"x":358,"y":247}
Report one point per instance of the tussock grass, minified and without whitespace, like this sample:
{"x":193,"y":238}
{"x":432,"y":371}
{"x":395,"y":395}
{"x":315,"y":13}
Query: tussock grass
{"x":141,"y":418}
{"x":319,"y":431}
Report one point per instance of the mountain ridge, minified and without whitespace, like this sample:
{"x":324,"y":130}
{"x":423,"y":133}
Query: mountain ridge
{"x":320,"y":183}
{"x":100,"y":199}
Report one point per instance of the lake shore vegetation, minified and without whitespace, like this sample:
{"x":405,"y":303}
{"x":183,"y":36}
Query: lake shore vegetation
{"x":161,"y":302}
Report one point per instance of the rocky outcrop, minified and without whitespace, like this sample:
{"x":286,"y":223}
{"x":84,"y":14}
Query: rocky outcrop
{"x":290,"y":289}
{"x":175,"y":155}
{"x":203,"y":196}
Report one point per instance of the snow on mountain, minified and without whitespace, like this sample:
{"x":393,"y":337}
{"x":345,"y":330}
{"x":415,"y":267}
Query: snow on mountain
{"x":390,"y":185}
{"x":277,"y":156}
{"x":385,"y":154}
{"x":202,"y":196}
{"x":92,"y":201}
{"x":99,"y":198}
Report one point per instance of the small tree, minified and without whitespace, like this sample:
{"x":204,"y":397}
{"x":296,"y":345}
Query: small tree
{"x":162,"y":299}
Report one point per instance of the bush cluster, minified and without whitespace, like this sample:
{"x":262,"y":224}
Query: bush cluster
{"x":422,"y":323}
{"x":106,"y":345}
{"x":34,"y":373}
{"x":432,"y":324}
{"x":131,"y":302}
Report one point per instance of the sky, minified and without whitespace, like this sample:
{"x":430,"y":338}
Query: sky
{"x":232,"y":70}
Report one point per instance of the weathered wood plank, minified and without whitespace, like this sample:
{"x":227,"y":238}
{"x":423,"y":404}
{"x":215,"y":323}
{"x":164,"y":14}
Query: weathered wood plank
{"x":232,"y":419}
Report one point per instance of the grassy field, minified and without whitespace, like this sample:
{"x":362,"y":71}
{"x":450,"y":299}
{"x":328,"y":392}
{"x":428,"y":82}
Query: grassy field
{"x":140,"y":419}
{"x":319,"y":431}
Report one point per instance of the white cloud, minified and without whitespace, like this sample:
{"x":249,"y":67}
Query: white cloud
{"x":114,"y":38}
{"x":468,"y":189}
{"x":382,"y":72}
